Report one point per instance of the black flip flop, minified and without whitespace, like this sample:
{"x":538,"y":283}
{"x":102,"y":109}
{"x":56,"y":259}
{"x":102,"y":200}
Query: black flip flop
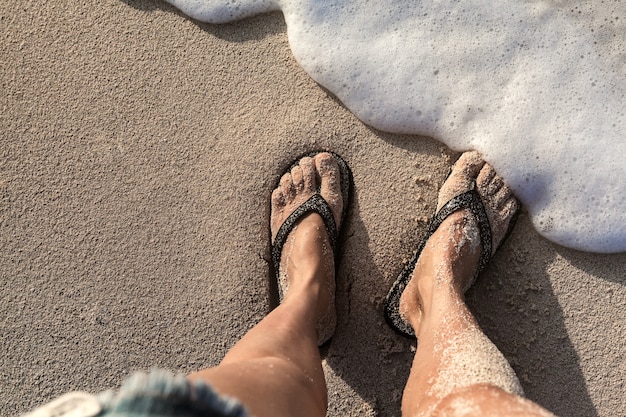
{"x":468,"y":200}
{"x":316,"y":204}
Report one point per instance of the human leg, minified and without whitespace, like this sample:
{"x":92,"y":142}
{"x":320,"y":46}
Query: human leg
{"x":456,"y":369}
{"x":275,"y":369}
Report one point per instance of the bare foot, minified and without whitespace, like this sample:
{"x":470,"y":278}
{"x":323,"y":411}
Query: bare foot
{"x":451,"y":255}
{"x":307,"y":263}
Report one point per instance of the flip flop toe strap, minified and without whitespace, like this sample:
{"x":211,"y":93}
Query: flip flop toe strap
{"x":315,"y":204}
{"x":468,"y":200}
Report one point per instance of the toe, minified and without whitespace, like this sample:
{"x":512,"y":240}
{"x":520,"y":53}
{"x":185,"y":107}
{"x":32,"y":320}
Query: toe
{"x":497,"y":184}
{"x":328,"y":171}
{"x":462,"y":177}
{"x":309,"y":174}
{"x":500,"y":222}
{"x":470,"y":163}
{"x":485,"y":179}
{"x":278,"y":199}
{"x":330,"y":187}
{"x":491,"y":185}
{"x":297,"y":178}
{"x":502,"y":196}
{"x":509,"y":207}
{"x":325,"y":164}
{"x":499,"y":201}
{"x":287,"y":187}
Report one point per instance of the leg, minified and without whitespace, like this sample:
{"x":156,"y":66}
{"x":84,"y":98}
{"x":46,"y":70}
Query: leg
{"x":275,"y":369}
{"x":456,"y":369}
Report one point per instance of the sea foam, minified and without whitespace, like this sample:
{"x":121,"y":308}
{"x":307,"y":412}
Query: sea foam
{"x":538,"y":87}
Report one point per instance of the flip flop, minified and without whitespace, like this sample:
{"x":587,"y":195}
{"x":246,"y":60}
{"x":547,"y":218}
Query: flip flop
{"x":316,"y":204}
{"x":468,"y":200}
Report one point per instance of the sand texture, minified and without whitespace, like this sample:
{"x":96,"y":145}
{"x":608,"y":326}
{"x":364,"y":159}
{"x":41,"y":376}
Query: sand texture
{"x":138,"y":151}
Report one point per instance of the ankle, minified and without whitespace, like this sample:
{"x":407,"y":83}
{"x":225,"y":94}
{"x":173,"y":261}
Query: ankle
{"x":313,"y":292}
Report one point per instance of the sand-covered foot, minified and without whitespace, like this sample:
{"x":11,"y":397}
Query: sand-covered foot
{"x":451,"y":256}
{"x":307,"y":261}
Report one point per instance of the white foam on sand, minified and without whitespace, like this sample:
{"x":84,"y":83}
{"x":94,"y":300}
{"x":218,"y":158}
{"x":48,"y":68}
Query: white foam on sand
{"x":538,"y":87}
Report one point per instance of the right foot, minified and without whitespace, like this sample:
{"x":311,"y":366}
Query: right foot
{"x":451,"y":255}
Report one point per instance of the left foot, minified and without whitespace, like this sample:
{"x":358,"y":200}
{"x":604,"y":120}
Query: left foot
{"x":307,"y":266}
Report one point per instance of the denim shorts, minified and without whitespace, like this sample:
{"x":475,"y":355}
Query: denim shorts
{"x":158,"y":393}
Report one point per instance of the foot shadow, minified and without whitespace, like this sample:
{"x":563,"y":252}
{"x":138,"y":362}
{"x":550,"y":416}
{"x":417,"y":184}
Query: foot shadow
{"x":516,"y":305}
{"x":364,"y":353}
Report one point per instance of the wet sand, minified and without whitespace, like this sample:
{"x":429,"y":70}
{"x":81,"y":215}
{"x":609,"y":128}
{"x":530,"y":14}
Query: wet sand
{"x":138,"y":151}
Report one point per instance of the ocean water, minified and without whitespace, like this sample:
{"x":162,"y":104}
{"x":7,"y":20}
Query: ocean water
{"x":538,"y":87}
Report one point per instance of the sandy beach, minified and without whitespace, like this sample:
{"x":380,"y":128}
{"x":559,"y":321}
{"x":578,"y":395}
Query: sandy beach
{"x":138,"y":152}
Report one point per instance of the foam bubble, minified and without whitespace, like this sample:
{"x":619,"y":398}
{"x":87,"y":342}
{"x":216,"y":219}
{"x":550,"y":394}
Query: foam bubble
{"x":538,"y":87}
